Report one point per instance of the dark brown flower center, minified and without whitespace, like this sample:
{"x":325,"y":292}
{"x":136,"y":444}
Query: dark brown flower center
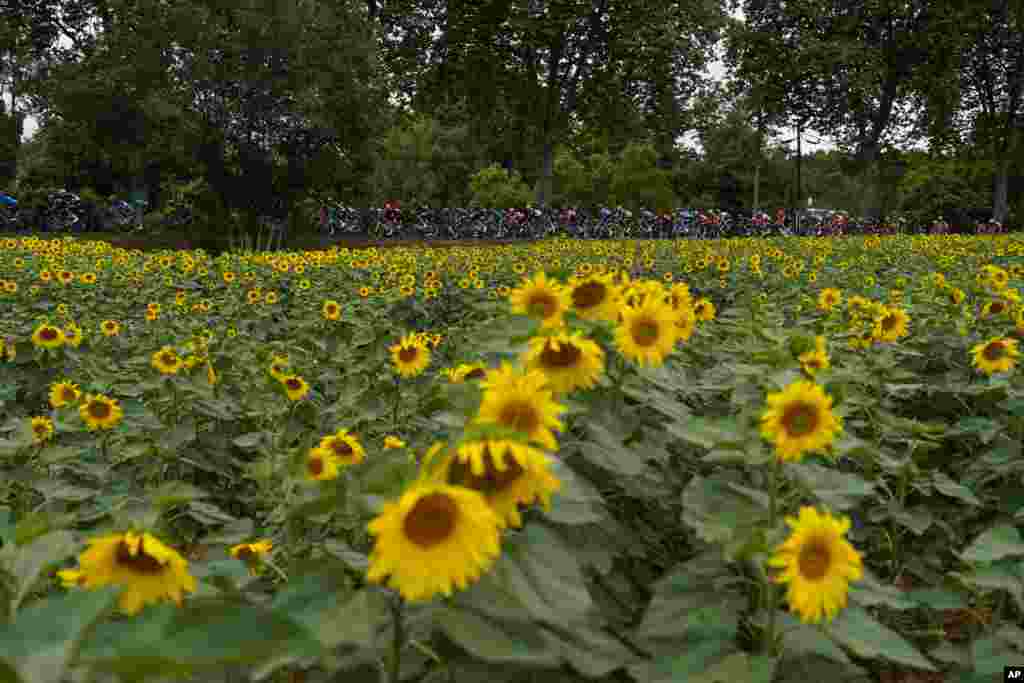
{"x":168,"y":358}
{"x":542,"y":305}
{"x":431,"y":520}
{"x":491,"y":482}
{"x":519,"y":416}
{"x":48,"y":334}
{"x":814,"y":560}
{"x":645,"y":332}
{"x":589,"y":295}
{"x":890,"y":322}
{"x":315,"y":466}
{"x":293,"y":384}
{"x":566,"y":356}
{"x":341,"y":448}
{"x":245,"y":554}
{"x":99,"y":410}
{"x":800,"y":419}
{"x":408,"y":354}
{"x":139,"y":562}
{"x":994,"y":351}
{"x":67,"y":394}
{"x":997,"y":307}
{"x":476,"y":373}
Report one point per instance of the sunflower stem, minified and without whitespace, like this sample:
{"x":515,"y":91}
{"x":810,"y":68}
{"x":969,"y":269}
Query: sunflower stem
{"x":395,"y":665}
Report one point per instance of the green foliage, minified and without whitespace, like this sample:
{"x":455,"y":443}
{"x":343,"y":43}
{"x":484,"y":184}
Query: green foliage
{"x":637,"y":181}
{"x":495,"y":187}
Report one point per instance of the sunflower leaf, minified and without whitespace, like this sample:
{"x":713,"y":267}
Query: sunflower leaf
{"x":28,"y":562}
{"x":492,"y":640}
{"x":998,"y":542}
{"x":38,"y":645}
{"x":857,"y":631}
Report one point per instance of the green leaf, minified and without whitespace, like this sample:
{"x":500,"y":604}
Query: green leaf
{"x":249,"y":441}
{"x":837,"y":490}
{"x":869,"y":592}
{"x":543,"y":576}
{"x":718,"y":512}
{"x":606,"y":449}
{"x":495,"y":640}
{"x":173,"y":493}
{"x":946,"y":486}
{"x":704,"y":645}
{"x":322,"y":602}
{"x":856,"y":630}
{"x":708,"y":433}
{"x":208,"y":514}
{"x":998,"y":542}
{"x":166,"y":640}
{"x":28,"y":562}
{"x":178,"y":437}
{"x":577,"y":501}
{"x":588,"y":649}
{"x":39,"y":643}
{"x":1007,"y":575}
{"x":801,"y":640}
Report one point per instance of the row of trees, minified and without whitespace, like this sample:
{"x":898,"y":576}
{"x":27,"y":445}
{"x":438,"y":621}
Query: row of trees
{"x":271,"y":102}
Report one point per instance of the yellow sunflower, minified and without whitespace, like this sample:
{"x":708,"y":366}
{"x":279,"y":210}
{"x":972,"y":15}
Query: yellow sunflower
{"x":331,"y":310}
{"x":321,"y":465}
{"x":72,"y":335}
{"x":465,"y":371}
{"x":410,"y":356}
{"x":569,"y":361}
{"x":42,"y":429}
{"x":295,"y":387}
{"x":343,"y":447}
{"x":542,"y":298}
{"x":433,"y":539}
{"x":279,"y":366}
{"x":251,"y":554}
{"x":686,"y":323}
{"x":167,"y":361}
{"x":393,"y":442}
{"x":521,"y":401}
{"x":704,"y":310}
{"x":63,"y":393}
{"x":148,"y":570}
{"x":998,"y":354}
{"x":891,"y":324}
{"x":110,"y":328}
{"x":829,"y":298}
{"x":100,"y":412}
{"x":815,"y":360}
{"x":818,"y":564}
{"x":799,"y":419}
{"x":996,"y":307}
{"x":647,"y":333}
{"x":47,"y":336}
{"x":594,"y":297}
{"x":507,"y":473}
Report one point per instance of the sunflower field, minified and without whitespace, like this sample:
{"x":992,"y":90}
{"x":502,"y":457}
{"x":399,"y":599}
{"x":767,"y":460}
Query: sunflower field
{"x":722,"y":461}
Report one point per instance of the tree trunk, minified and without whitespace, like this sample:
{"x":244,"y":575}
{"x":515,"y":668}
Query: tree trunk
{"x":546,"y":181}
{"x":552,"y":111}
{"x":757,"y":186}
{"x":869,"y":207}
{"x":1000,"y":205}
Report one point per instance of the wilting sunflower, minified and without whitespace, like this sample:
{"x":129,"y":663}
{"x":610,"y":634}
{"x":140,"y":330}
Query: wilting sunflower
{"x":998,"y":354}
{"x":521,"y":401}
{"x":594,"y":297}
{"x":279,"y":366}
{"x":343,"y":447}
{"x":410,"y":356}
{"x":648,"y":333}
{"x":321,"y":465}
{"x":818,"y":564}
{"x":331,"y":310}
{"x":704,"y":310}
{"x":42,"y":429}
{"x":829,"y":298}
{"x":251,"y":554}
{"x":148,"y":570}
{"x":110,"y":328}
{"x":100,"y":412}
{"x":465,"y":371}
{"x":434,"y":539}
{"x":542,"y":298}
{"x":507,"y":473}
{"x":72,"y":335}
{"x":167,"y":361}
{"x":569,"y":361}
{"x":63,"y":393}
{"x":799,"y":419}
{"x":48,"y":336}
{"x":295,"y":387}
{"x":891,"y":324}
{"x":815,"y":360}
